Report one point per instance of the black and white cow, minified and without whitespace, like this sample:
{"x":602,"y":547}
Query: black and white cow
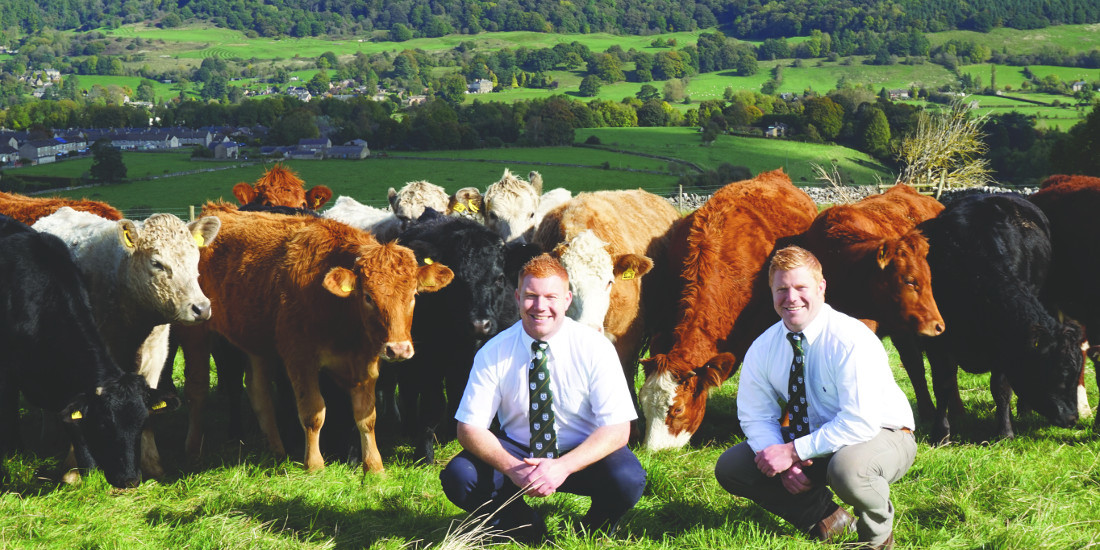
{"x":989,"y":256}
{"x":54,"y":355}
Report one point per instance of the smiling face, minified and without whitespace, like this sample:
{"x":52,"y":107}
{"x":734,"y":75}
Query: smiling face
{"x":542,"y":304}
{"x":797,"y":296}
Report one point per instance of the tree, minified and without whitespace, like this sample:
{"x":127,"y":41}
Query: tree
{"x":590,"y":86}
{"x":145,"y":91}
{"x":825,"y":114}
{"x":107,"y":165}
{"x":876,"y":134}
{"x":318,"y":84}
{"x":452,"y":88}
{"x":946,"y":150}
{"x":647,"y":92}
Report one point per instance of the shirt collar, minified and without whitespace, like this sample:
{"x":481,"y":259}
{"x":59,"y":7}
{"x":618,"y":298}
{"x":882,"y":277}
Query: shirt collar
{"x":817,"y":326}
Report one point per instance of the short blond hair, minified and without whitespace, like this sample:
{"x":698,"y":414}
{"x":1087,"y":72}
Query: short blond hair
{"x":542,"y":267}
{"x":793,"y":257}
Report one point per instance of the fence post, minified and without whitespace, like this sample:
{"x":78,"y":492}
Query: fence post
{"x":681,"y":186}
{"x":191,"y":210}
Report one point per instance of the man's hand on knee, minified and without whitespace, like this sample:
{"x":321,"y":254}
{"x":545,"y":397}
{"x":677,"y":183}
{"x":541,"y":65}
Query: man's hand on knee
{"x":775,"y":459}
{"x":795,"y":480}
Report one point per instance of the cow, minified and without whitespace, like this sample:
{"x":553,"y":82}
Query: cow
{"x":876,"y":264}
{"x":607,"y":240}
{"x":362,"y":216}
{"x":54,"y":355}
{"x":141,"y":275}
{"x":450,"y":325}
{"x":1071,"y":204}
{"x":514,"y":207}
{"x":29,"y":209}
{"x":281,"y":187}
{"x":312,"y":294}
{"x":989,"y":256}
{"x":720,"y":251}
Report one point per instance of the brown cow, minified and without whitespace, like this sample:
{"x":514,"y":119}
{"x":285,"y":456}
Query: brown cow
{"x":607,"y":240}
{"x":725,"y":302}
{"x":314,"y":294}
{"x":876,"y":264}
{"x":1071,"y":204}
{"x":30,"y":209}
{"x":281,"y":186}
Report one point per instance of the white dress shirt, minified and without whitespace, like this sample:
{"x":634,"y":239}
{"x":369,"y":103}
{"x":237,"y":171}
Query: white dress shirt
{"x":850,"y":389}
{"x":585,"y":375}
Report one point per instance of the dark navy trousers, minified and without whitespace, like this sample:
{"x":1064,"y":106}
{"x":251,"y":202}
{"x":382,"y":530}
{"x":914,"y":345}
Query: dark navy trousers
{"x":614,"y":483}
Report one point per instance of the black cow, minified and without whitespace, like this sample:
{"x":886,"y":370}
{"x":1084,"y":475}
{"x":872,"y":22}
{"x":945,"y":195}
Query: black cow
{"x":989,"y":256}
{"x":53,"y":353}
{"x":450,"y":325}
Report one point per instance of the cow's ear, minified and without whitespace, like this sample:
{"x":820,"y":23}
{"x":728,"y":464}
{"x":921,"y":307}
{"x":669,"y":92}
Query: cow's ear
{"x":204,"y":229}
{"x":631,"y":266}
{"x":75,"y":411}
{"x":432,"y":277}
{"x":340,"y":281}
{"x":244,"y":192}
{"x":392,"y":196}
{"x":161,"y":401}
{"x":318,"y":196}
{"x":128,"y":235}
{"x":425,"y":252}
{"x":885,"y":254}
{"x":467,"y":199}
{"x":718,"y":369}
{"x":535,"y":179}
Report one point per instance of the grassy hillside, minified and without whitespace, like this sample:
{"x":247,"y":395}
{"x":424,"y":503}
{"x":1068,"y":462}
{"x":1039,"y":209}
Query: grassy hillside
{"x":1078,"y":38}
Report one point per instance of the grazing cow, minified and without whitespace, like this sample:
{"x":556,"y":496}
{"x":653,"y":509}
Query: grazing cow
{"x":607,"y":241}
{"x":449,"y":326}
{"x":281,"y":187}
{"x":990,"y":255}
{"x":141,"y":276}
{"x":725,"y":303}
{"x":29,"y":209}
{"x":514,"y":207}
{"x":312,"y":294}
{"x":1071,"y":204}
{"x":876,"y":264}
{"x":54,"y":355}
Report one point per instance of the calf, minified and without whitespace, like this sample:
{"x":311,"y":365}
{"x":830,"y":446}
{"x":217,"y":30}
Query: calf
{"x":449,"y":326}
{"x":281,"y":187}
{"x":720,"y":251}
{"x":514,"y":208}
{"x":141,"y":276}
{"x":29,"y":209}
{"x":312,"y":294}
{"x":989,"y":256}
{"x":55,"y":356}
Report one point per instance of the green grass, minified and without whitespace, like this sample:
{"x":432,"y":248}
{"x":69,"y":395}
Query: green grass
{"x":1040,"y":490}
{"x":1076,"y":38}
{"x":1009,"y":75}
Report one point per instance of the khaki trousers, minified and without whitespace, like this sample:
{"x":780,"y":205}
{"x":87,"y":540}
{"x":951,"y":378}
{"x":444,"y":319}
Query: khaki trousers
{"x":859,"y":474}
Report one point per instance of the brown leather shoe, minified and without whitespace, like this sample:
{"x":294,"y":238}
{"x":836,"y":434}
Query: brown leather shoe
{"x":833,"y":526}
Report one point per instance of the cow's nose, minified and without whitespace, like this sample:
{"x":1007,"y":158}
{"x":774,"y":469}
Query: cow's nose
{"x":397,"y":351}
{"x":482,"y":327}
{"x":201,"y":311}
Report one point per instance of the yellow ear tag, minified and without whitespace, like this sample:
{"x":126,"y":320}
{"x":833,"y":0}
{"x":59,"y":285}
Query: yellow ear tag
{"x":629,"y":274}
{"x":159,"y":405}
{"x":128,"y":239}
{"x":346,"y":288}
{"x":77,"y":415}
{"x":428,"y":261}
{"x":459,"y":207}
{"x":199,"y":241}
{"x":473,"y":206}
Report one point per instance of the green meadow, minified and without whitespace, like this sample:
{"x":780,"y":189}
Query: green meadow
{"x":1076,"y":38}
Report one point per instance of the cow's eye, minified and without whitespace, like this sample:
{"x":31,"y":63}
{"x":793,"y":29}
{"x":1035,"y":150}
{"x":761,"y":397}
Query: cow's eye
{"x":158,"y":266}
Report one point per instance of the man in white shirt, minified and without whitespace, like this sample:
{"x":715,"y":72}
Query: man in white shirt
{"x":590,"y":422}
{"x":856,"y":425}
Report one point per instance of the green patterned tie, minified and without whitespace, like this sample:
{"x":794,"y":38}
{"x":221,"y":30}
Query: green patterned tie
{"x":544,"y":441}
{"x":799,"y":424}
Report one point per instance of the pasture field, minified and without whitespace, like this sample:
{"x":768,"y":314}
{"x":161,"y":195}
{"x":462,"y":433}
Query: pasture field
{"x":1040,"y":490}
{"x":161,"y":90}
{"x":1011,"y":75}
{"x":138,"y":165}
{"x":1076,"y":38}
{"x":755,"y":153}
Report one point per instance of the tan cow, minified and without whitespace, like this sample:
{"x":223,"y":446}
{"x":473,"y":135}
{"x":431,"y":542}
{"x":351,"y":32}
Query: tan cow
{"x":30,"y":209}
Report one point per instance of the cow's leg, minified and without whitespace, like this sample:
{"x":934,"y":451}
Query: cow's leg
{"x":945,"y":382}
{"x":258,"y":384}
{"x":362,"y":406}
{"x":151,"y":359}
{"x":231,"y":363}
{"x":1002,"y":397}
{"x":311,"y":410}
{"x":195,"y":342}
{"x":912,"y":359}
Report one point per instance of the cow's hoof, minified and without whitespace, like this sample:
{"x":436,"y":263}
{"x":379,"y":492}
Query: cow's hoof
{"x":71,"y":477}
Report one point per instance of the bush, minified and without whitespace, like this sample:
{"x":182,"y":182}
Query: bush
{"x":592,"y":140}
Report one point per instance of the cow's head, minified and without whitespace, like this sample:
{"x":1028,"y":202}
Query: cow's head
{"x":510,"y":206}
{"x":904,"y":282}
{"x":1053,"y":363}
{"x":110,"y":420}
{"x":281,"y":186}
{"x":409,"y":203}
{"x":162,"y":266}
{"x":674,"y":398}
{"x":384,"y":281}
{"x":594,"y":275}
{"x":467,"y":203}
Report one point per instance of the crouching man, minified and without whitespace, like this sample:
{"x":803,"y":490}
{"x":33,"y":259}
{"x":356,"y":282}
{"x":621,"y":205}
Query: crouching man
{"x":850,"y":425}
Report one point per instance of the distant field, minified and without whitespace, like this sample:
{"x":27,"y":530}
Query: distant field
{"x":161,"y":90}
{"x":755,"y":153}
{"x":555,"y":155}
{"x":138,"y":165}
{"x":1009,"y":75}
{"x":1078,"y":38}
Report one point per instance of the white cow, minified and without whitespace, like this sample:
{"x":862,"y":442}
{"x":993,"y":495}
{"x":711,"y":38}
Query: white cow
{"x":515,"y":207}
{"x":141,"y":276}
{"x":382,"y":223}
